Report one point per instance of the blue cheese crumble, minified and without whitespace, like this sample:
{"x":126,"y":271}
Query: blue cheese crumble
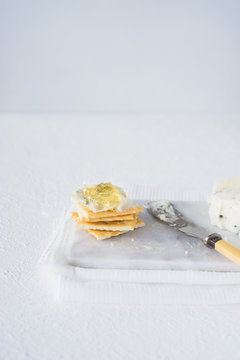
{"x":224,"y":208}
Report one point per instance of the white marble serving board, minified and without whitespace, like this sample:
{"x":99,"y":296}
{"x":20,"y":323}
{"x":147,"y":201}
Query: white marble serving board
{"x":155,"y":246}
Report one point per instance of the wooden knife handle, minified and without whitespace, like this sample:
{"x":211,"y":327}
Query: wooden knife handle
{"x":228,"y":250}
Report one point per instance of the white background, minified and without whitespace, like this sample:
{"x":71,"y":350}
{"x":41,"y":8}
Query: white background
{"x":119,"y":56}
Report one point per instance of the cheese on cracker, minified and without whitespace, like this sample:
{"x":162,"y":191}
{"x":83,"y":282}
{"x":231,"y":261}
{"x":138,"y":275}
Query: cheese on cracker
{"x":104,"y":211}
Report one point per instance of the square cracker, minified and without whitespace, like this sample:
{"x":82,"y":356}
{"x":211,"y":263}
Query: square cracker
{"x":104,"y":225}
{"x":109,"y":219}
{"x":103,"y":234}
{"x":85,"y":212}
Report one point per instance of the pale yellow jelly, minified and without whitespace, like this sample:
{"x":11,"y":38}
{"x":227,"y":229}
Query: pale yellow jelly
{"x":103,"y":196}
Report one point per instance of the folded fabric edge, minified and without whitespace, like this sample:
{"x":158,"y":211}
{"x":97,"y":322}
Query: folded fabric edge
{"x":122,"y":293}
{"x":66,"y":289}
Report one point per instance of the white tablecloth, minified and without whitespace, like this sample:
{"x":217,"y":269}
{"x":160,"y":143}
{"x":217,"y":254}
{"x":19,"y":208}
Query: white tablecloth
{"x":42,"y":160}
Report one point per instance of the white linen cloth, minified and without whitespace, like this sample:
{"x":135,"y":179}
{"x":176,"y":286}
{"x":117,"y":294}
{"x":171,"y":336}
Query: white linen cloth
{"x":88,"y":285}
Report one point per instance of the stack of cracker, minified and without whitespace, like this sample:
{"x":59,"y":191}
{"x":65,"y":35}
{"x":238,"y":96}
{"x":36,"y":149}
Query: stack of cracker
{"x":107,"y":223}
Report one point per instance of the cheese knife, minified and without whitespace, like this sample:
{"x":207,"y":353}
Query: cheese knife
{"x":168,"y":214}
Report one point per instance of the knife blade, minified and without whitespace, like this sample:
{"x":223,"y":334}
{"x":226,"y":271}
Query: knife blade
{"x":168,"y":214}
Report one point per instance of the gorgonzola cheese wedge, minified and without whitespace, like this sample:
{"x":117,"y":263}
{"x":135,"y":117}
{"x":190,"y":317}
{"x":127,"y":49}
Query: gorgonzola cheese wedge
{"x":224,"y":208}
